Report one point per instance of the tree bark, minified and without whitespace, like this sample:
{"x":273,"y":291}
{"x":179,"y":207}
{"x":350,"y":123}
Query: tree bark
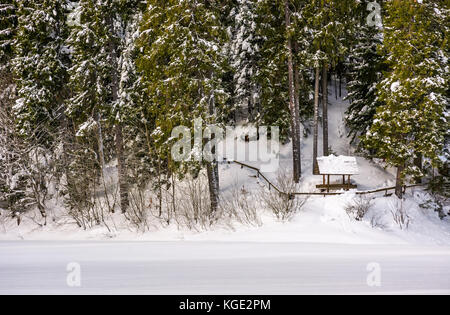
{"x":325,"y":110}
{"x":212,"y":169}
{"x":101,"y":147}
{"x":121,"y":169}
{"x":121,"y":166}
{"x":418,"y":162}
{"x":298,"y":81}
{"x":316,"y":123}
{"x":212,"y":182}
{"x":399,"y":182}
{"x":335,"y":87}
{"x":293,"y":101}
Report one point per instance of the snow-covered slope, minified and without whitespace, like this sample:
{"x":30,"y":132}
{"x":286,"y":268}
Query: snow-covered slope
{"x":321,"y":220}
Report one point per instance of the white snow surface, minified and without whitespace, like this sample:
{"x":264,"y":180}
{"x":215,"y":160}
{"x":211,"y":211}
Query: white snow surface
{"x":321,"y":220}
{"x":321,"y":250}
{"x":243,"y":268}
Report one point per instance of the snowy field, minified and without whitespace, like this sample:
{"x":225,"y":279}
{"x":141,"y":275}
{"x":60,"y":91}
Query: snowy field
{"x":222,"y":268}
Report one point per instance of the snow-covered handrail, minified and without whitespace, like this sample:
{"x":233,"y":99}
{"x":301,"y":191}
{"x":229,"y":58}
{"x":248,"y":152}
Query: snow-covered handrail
{"x":271,"y":185}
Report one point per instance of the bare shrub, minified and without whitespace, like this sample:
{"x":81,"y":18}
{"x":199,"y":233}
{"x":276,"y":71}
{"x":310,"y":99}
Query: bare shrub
{"x":192,"y":204}
{"x":376,"y":222}
{"x":138,"y":211}
{"x":27,"y":170}
{"x":240,"y":205}
{"x":87,"y":189}
{"x":400,"y":215}
{"x":86,"y":216}
{"x":358,"y":207}
{"x":283,"y":205}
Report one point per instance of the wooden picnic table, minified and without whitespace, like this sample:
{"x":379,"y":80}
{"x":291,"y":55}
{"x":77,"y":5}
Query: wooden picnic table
{"x":345,"y":166}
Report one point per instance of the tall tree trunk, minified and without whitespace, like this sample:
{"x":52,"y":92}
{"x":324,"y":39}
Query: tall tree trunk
{"x":121,"y":169}
{"x":316,"y":123}
{"x":418,"y":162}
{"x":293,"y":101}
{"x":325,"y":110}
{"x":68,"y":138}
{"x":160,"y":192}
{"x":298,"y":82}
{"x":217,"y":180}
{"x":121,"y":166}
{"x":335,"y":86}
{"x":101,"y":147}
{"x":399,"y":182}
{"x":212,"y":169}
{"x":212,"y":183}
{"x":253,"y":99}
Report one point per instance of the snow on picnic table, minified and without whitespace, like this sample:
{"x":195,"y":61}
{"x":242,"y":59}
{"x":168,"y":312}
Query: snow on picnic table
{"x":338,"y":165}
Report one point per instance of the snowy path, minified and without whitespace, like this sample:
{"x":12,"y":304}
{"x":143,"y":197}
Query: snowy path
{"x":221,"y":268}
{"x":371,"y":176}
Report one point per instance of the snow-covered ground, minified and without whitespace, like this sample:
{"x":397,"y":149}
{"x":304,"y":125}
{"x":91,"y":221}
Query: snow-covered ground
{"x":231,"y":268}
{"x":321,"y":250}
{"x":321,"y":220}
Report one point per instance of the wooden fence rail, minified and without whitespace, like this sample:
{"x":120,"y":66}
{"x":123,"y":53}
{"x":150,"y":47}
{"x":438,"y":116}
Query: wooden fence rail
{"x":386,"y":190}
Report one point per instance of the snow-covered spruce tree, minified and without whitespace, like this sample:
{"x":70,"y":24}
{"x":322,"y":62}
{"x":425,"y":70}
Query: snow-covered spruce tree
{"x":130,"y":108}
{"x":329,"y":25}
{"x":40,"y":69}
{"x":440,"y":183}
{"x":413,"y":122}
{"x":244,"y":53}
{"x":87,"y":105}
{"x":313,"y":19}
{"x":182,"y":64}
{"x":17,"y":173}
{"x":99,"y":70}
{"x":285,"y":90}
{"x":8,"y":29}
{"x":15,"y":170}
{"x":39,"y":64}
{"x":293,"y":81}
{"x":366,"y":66}
{"x":11,"y":188}
{"x":272,"y":68}
{"x":143,"y":163}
